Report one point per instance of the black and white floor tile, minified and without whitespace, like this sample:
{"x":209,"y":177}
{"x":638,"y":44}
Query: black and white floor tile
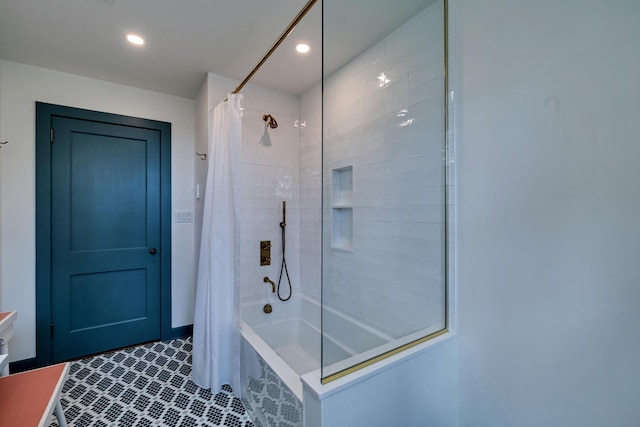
{"x":145,"y":386}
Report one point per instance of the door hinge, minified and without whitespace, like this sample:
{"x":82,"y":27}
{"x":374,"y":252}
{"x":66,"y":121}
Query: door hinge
{"x":51,"y":135}
{"x":51,"y":329}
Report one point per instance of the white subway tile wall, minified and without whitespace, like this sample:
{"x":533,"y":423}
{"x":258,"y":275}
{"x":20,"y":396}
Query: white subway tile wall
{"x":311,"y":192}
{"x":270,"y":175}
{"x":384,"y":118}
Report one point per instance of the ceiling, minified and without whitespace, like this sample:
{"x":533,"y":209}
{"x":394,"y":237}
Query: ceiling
{"x":185,"y":39}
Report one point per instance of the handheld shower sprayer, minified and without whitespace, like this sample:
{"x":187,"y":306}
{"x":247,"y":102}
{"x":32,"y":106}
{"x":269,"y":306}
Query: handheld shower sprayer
{"x":283,"y":266}
{"x":283,"y":223}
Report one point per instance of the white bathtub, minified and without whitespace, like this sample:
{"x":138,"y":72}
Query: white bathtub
{"x":287,"y":339}
{"x":280,"y":347}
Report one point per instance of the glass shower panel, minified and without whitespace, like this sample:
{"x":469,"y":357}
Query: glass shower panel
{"x":384,"y":179}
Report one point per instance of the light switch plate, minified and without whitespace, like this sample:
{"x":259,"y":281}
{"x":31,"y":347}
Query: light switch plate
{"x":184,"y":216}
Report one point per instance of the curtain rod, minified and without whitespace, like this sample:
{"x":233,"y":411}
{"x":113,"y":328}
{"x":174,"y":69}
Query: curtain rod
{"x":277,"y":43}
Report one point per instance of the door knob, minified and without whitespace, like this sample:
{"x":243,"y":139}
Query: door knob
{"x":152,"y":251}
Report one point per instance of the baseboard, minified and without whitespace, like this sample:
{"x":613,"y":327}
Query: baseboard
{"x":28,"y":364}
{"x":22,"y":365}
{"x":181,"y":332}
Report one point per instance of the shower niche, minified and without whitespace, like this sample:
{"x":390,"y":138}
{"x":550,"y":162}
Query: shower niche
{"x":342,"y":209}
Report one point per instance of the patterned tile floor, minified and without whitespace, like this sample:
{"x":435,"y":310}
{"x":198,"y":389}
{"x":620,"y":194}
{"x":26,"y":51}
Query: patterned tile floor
{"x":145,"y":386}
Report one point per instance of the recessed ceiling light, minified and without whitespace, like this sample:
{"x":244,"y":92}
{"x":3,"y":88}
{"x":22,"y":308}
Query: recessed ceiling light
{"x":302,"y":47}
{"x":135,"y":39}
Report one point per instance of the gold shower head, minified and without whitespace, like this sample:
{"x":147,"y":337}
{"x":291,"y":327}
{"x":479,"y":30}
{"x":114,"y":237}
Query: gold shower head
{"x":271,"y":122}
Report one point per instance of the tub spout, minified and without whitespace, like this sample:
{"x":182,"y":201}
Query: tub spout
{"x":273,"y":285}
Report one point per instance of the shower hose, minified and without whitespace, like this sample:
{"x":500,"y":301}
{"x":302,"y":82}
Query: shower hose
{"x":283,"y":267}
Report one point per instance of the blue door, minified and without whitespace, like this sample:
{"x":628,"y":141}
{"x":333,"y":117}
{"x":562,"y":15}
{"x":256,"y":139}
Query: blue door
{"x":105,"y":236}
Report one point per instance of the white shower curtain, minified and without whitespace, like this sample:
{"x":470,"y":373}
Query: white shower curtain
{"x":216,"y":335}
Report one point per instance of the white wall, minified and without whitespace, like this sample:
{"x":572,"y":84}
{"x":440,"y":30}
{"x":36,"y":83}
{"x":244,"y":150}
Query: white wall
{"x":270,"y":175}
{"x":311,"y":192}
{"x":21,"y":86}
{"x":416,"y":388}
{"x":201,"y":128}
{"x":548,"y":209}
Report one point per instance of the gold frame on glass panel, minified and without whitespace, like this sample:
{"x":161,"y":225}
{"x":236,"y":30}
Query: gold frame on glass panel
{"x":426,"y":338}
